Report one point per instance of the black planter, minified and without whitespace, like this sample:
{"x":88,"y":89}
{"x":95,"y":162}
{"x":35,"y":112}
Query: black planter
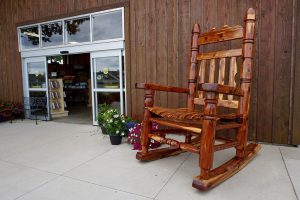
{"x":103,"y":129}
{"x":115,"y":139}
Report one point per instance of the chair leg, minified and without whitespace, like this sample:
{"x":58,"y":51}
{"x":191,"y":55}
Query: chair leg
{"x":241,"y":137}
{"x":207,"y":147}
{"x":188,"y":138}
{"x":211,"y":177}
{"x":146,"y":125}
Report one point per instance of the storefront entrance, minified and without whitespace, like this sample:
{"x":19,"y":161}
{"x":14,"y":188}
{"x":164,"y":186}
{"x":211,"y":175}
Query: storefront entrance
{"x":75,"y":64}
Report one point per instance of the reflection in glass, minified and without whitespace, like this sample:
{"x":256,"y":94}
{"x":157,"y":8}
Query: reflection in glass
{"x":111,"y":98}
{"x":107,"y":74}
{"x":78,"y":30}
{"x":29,"y":37}
{"x":36,"y":105}
{"x":55,"y":60}
{"x":37,"y":94}
{"x":107,"y":26}
{"x":36,"y":75}
{"x":52,"y":34}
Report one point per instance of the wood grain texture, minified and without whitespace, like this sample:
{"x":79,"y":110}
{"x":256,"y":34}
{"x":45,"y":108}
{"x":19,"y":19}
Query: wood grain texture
{"x":221,"y":102}
{"x":133,"y":66}
{"x":296,"y":108}
{"x":266,"y":72}
{"x":140,"y":19}
{"x":253,"y":112}
{"x":220,"y":54}
{"x":212,"y":67}
{"x":225,"y":34}
{"x":282,"y":74}
{"x":161,"y":50}
{"x":184,"y":37}
{"x":221,"y":77}
{"x":127,"y":58}
{"x":172,"y":50}
{"x":232,"y":73}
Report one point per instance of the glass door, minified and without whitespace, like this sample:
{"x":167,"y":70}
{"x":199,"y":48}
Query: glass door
{"x":36,"y":88}
{"x":108,"y":80}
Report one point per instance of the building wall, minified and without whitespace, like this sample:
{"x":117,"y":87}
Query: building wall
{"x":158,"y":43}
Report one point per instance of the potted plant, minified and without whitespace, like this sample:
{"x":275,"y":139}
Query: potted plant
{"x":114,"y":124}
{"x":102,"y":108}
{"x":134,"y":137}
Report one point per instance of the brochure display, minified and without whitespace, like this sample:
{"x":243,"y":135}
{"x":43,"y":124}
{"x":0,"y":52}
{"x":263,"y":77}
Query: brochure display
{"x":57,"y":95}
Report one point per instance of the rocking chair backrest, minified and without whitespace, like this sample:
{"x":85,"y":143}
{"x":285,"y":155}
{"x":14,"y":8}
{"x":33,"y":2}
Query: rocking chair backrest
{"x":211,"y":66}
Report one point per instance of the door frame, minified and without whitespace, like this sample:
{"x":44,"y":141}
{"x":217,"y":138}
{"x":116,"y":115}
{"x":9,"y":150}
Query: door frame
{"x":25,"y":74}
{"x":121,"y":89}
{"x":97,"y":49}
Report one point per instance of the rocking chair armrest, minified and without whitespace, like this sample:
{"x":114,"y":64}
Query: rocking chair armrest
{"x":218,"y":88}
{"x":161,"y":88}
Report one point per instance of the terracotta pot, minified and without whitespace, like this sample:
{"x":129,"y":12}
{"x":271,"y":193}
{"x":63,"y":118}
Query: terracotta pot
{"x":115,"y":139}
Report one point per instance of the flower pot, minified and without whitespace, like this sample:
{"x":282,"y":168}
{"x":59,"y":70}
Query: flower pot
{"x":103,"y":129}
{"x":115,"y":139}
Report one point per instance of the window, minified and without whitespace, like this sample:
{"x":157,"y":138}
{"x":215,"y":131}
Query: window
{"x":29,"y":37}
{"x":77,"y":30}
{"x":107,"y":74}
{"x":107,"y":26}
{"x":52,"y":34}
{"x":87,"y":28}
{"x":36,"y":75}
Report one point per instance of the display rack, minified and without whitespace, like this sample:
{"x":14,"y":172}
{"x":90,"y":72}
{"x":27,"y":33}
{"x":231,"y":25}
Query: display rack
{"x":57,"y":95}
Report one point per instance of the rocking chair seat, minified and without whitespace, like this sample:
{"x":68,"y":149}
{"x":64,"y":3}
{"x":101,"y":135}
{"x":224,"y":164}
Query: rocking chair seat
{"x":184,"y":114}
{"x":191,"y":120}
{"x":177,"y":113}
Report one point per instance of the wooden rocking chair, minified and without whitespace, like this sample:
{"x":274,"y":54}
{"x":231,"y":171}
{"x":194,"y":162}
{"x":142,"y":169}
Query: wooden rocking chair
{"x":200,"y":127}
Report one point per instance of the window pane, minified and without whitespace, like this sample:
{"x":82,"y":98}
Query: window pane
{"x":107,"y":74}
{"x":29,"y":37}
{"x":36,"y":105}
{"x":52,"y":34}
{"x":78,"y":30}
{"x":36,"y":75}
{"x":111,"y":98}
{"x":107,"y":26}
{"x":37,"y":94}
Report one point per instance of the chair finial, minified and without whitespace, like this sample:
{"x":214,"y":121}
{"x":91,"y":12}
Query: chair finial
{"x":250,"y":15}
{"x":196,"y":28}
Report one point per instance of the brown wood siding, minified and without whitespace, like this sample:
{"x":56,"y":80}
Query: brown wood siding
{"x":158,"y":37}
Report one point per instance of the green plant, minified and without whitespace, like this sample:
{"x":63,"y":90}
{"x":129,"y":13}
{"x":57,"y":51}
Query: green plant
{"x":4,"y":105}
{"x":102,"y":108}
{"x":114,"y":123}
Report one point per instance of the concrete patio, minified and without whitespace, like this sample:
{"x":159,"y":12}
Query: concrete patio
{"x":68,"y":162}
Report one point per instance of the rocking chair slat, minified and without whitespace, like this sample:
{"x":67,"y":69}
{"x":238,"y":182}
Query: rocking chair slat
{"x":221,"y":102}
{"x":202,"y":75}
{"x":227,"y":145}
{"x":224,"y":34}
{"x":232,"y":73}
{"x":220,"y":54}
{"x":212,"y":66}
{"x":174,"y":143}
{"x":221,"y":74}
{"x":174,"y":124}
